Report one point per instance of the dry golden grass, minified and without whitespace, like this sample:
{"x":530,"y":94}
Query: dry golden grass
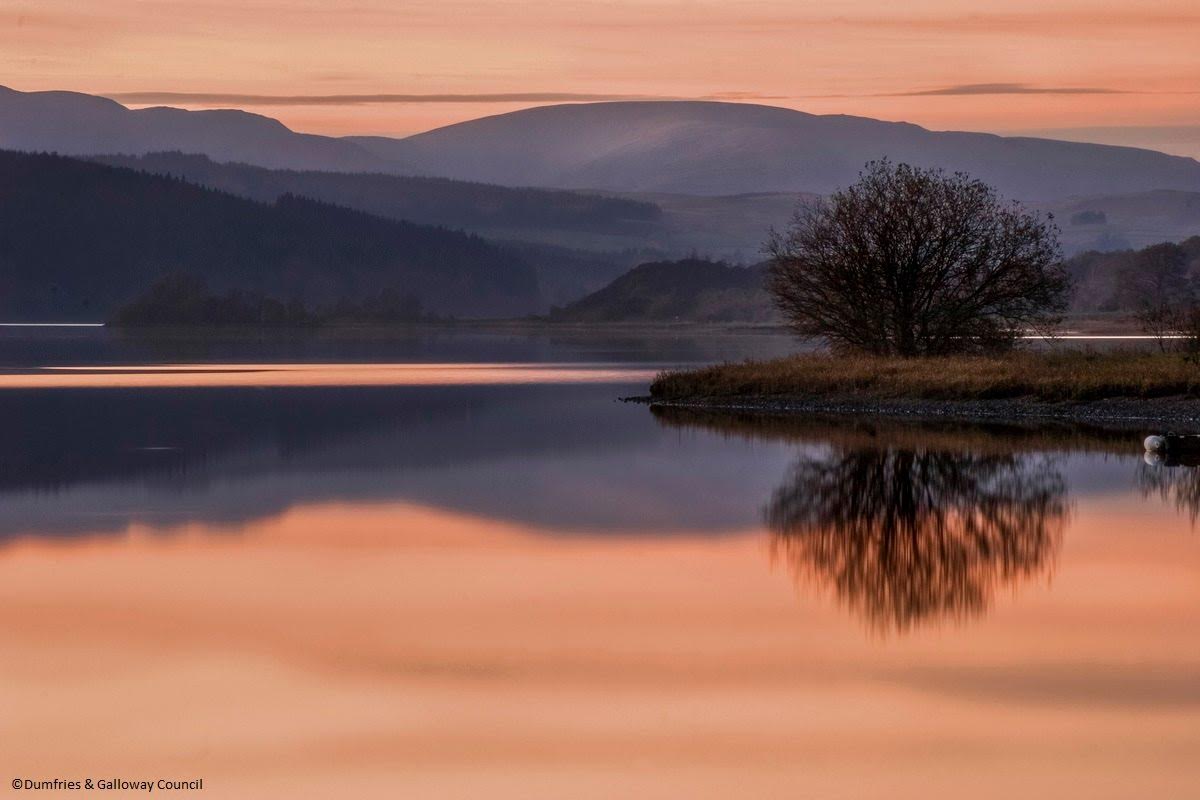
{"x":1051,"y":377}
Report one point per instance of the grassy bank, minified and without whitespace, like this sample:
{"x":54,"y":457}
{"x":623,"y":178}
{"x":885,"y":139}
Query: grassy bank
{"x":1045,"y":377}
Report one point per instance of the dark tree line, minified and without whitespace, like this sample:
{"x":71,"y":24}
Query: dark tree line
{"x":187,"y":300}
{"x":432,"y":201}
{"x":1159,"y":284}
{"x":78,"y":240}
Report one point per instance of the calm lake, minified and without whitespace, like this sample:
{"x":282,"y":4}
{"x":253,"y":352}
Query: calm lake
{"x":454,"y":565}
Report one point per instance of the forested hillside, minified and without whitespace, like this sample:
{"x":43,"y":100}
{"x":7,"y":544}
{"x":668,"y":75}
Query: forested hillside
{"x":79,"y":239}
{"x":434,"y":201}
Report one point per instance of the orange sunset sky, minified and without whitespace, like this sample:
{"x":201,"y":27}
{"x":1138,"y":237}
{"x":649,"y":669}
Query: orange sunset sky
{"x":1129,"y":69}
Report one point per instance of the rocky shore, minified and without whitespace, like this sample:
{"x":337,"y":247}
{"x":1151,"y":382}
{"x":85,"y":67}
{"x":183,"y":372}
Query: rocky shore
{"x":1176,"y":415}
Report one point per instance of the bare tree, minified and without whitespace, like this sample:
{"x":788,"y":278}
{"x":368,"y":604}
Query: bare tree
{"x":911,"y":261}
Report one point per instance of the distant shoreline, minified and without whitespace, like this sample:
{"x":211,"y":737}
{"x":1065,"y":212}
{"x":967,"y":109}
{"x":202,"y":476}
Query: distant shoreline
{"x":1115,"y":328}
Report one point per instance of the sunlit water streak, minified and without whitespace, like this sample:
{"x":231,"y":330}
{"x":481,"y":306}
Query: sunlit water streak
{"x":51,"y":324}
{"x":281,"y":375}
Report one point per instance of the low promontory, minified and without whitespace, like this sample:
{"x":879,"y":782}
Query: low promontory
{"x":1070,"y":385}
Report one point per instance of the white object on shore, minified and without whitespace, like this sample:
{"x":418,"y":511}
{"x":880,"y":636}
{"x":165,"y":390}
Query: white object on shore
{"x":1156,"y":444}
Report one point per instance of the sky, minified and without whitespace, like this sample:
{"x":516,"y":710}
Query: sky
{"x":1088,"y":69}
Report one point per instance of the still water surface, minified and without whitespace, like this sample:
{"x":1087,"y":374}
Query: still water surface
{"x":466,"y":570}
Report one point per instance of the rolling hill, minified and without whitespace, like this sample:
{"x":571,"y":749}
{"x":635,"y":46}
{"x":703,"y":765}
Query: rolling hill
{"x":711,"y":148}
{"x":662,"y":179}
{"x":577,"y":242}
{"x":79,"y":239}
{"x":71,"y":123}
{"x":689,"y":290}
{"x":603,"y":227}
{"x":681,"y":147}
{"x":700,"y":290}
{"x":479,"y":207}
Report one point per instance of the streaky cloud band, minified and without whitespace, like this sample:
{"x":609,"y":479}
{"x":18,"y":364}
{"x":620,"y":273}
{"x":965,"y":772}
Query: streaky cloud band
{"x":217,"y":98}
{"x":1005,"y":88}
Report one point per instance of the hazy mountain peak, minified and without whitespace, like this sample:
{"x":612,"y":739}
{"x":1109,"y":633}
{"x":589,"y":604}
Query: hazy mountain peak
{"x":716,"y":148}
{"x":681,"y":147}
{"x":81,"y":124}
{"x":62,"y":96}
{"x":233,"y":115}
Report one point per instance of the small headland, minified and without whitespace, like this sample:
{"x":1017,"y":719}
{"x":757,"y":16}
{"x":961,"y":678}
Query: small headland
{"x":1130,"y":387}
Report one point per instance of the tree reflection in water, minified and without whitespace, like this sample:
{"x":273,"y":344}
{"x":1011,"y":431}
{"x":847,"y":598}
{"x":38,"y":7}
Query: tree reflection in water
{"x":908,"y":536}
{"x":1175,"y":481}
{"x":911,"y":522}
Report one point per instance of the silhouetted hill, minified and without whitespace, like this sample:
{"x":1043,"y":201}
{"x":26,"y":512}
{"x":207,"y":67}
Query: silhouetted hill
{"x":699,"y":290}
{"x":693,"y":290}
{"x":576,"y":242}
{"x":730,"y":227}
{"x":81,"y":124}
{"x":713,"y":148}
{"x":433,"y":201}
{"x":705,"y":148}
{"x":565,"y":274}
{"x":78,"y":240}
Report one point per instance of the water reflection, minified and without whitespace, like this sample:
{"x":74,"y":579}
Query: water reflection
{"x":905,"y":537}
{"x":424,"y":589}
{"x":906,"y":524}
{"x":1176,"y":484}
{"x":561,"y":457}
{"x":911,"y":524}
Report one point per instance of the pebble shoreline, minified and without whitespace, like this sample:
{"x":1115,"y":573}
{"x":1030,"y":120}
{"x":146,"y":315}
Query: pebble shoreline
{"x":1165,"y":414}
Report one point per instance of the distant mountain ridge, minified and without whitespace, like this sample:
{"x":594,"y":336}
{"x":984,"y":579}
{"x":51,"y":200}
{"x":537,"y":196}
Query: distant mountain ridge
{"x":71,"y":123}
{"x":684,"y":147}
{"x":710,"y":148}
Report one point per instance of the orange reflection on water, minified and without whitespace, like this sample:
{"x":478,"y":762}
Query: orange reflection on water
{"x":403,"y":651}
{"x":407,"y":374}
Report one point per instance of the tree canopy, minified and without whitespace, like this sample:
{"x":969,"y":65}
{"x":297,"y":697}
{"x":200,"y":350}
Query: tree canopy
{"x":912,"y":261}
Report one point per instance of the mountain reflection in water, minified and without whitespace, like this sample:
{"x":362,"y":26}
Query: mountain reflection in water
{"x":552,"y":455}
